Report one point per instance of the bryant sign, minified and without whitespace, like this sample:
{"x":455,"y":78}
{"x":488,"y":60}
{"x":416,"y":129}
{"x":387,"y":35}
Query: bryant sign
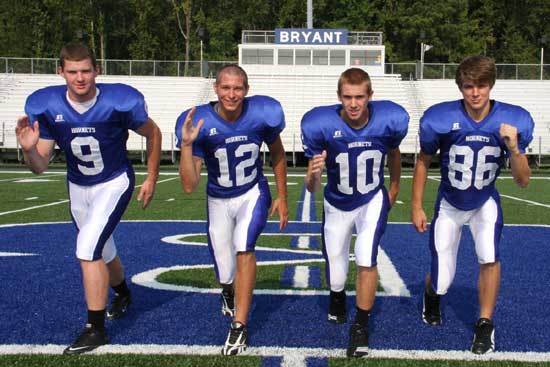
{"x":311,"y":36}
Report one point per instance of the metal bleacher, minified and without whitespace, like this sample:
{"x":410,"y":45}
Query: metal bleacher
{"x":533,"y":95}
{"x":167,"y":97}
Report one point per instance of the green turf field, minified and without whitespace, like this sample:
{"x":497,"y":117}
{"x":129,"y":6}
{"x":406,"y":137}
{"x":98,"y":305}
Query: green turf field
{"x":26,"y":198}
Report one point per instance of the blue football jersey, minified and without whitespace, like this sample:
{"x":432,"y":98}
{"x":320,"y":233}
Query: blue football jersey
{"x":231,"y":151}
{"x":471,"y":153}
{"x":355,"y":157}
{"x":94,"y":142}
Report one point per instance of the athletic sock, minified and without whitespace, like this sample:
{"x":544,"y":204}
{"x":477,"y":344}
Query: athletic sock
{"x":362,"y":316}
{"x":228,"y":288}
{"x":97,"y":319}
{"x":122,"y":288}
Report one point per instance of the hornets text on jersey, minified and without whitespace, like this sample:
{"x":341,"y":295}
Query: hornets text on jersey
{"x":471,"y":153}
{"x":355,"y":157}
{"x":94,"y":142}
{"x":231,"y":151}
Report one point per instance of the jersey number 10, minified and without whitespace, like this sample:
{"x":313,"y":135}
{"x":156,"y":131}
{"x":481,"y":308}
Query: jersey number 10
{"x":343,"y":161}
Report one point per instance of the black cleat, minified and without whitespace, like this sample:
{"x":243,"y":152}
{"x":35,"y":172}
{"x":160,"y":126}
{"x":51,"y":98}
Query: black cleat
{"x":228,"y":303}
{"x":119,"y":306}
{"x":484,"y":337}
{"x":89,"y":339}
{"x":431,"y":313}
{"x":358,"y":341}
{"x":236,"y":341}
{"x":337,"y":307}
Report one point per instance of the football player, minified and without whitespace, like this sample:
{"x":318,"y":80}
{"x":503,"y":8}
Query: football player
{"x":90,"y":123}
{"x":227,"y":135}
{"x":474,"y":136}
{"x":352,"y":140}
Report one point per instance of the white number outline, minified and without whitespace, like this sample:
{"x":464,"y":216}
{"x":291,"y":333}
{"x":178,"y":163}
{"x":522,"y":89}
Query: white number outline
{"x":94,"y":156}
{"x":240,"y":177}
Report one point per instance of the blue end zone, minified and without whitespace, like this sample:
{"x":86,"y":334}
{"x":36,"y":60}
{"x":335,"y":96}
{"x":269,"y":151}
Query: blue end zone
{"x":43,"y":302}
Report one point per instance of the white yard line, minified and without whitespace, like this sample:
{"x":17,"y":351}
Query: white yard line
{"x":301,"y":276}
{"x":291,"y":356}
{"x":66,"y":200}
{"x":525,"y":201}
{"x":304,"y":241}
{"x":33,"y":176}
{"x":35,"y":207}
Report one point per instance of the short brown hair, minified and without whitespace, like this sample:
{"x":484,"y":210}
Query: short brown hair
{"x":478,"y":69}
{"x":76,"y":52}
{"x":354,"y":76}
{"x":233,"y":69}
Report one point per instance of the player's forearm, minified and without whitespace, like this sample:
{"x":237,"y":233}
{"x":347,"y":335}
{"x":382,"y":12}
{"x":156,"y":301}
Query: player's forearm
{"x":420,"y":177}
{"x":154,"y":144}
{"x":36,"y":162}
{"x":189,"y":177}
{"x":279,"y":170}
{"x":394,"y":166}
{"x":313,"y":181}
{"x":520,"y":169}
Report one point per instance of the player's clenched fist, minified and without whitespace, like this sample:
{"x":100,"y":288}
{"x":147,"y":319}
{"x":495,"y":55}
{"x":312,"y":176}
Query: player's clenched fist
{"x":318,"y":163}
{"x":189,"y":132}
{"x":509,"y":134}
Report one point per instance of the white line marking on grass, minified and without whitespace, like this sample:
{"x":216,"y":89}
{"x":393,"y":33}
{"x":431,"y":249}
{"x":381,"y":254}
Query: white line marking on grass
{"x":289,"y":354}
{"x":391,"y":282}
{"x":26,"y":173}
{"x":525,"y":201}
{"x":34,"y":180}
{"x":35,"y":207}
{"x":32,"y":198}
{"x":171,"y":199}
{"x":62,"y":201}
{"x":9,"y":254}
{"x":301,"y":276}
{"x":389,"y":277}
{"x":304,"y":241}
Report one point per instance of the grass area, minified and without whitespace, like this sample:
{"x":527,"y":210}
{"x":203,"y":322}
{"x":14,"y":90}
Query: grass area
{"x":265,"y":240}
{"x":268,"y":277}
{"x":138,"y":360}
{"x":127,"y":360}
{"x":170,"y":203}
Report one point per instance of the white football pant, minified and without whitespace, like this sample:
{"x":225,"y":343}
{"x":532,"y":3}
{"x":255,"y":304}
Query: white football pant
{"x":370,"y":223}
{"x":445,"y":232}
{"x":96,"y":211}
{"x":234,"y":225}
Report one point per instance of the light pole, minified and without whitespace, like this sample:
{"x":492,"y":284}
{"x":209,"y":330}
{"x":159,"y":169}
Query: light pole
{"x":423,"y":48}
{"x":202,"y":34}
{"x":542,"y":42}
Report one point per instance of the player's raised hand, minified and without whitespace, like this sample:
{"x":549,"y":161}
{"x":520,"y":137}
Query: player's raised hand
{"x":189,"y":132}
{"x":318,"y":163}
{"x":509,"y":134}
{"x":27,"y":134}
{"x":419,"y":220}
